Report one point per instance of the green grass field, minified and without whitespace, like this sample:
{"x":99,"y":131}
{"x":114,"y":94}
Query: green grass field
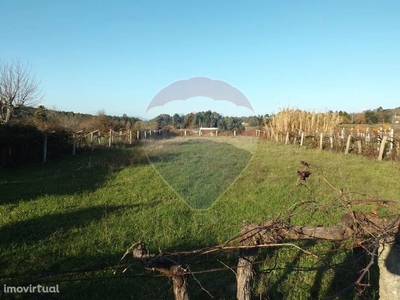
{"x":199,"y":170}
{"x":69,"y":221}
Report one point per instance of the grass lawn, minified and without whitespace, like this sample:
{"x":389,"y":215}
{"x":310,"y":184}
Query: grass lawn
{"x":69,"y":221}
{"x":199,"y":170}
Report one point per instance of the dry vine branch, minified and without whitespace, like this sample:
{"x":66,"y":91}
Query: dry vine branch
{"x":201,"y":286}
{"x":356,"y":225}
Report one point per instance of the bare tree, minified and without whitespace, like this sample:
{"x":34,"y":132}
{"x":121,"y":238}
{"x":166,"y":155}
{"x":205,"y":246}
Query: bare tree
{"x":18,"y":88}
{"x":102,"y":122}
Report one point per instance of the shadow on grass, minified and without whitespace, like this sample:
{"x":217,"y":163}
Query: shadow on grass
{"x":85,"y":284}
{"x":67,"y":176}
{"x":344,"y":275}
{"x":347,"y":273}
{"x":37,"y":229}
{"x":392,"y":260}
{"x":86,"y":280}
{"x":80,"y":276}
{"x":31,"y":237}
{"x":93,"y":283}
{"x":276,"y":290}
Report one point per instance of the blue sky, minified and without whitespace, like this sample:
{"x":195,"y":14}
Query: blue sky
{"x":117,"y":55}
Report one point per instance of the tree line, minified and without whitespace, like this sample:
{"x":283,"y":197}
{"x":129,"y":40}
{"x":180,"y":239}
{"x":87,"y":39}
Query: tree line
{"x":370,"y":116}
{"x":207,"y":119}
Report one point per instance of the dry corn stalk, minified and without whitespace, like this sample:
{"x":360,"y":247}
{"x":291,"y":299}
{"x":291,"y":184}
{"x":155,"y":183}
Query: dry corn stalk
{"x":291,"y":119}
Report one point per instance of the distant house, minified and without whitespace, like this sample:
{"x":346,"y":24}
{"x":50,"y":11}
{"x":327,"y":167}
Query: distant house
{"x":208,"y":130}
{"x":396,"y":119}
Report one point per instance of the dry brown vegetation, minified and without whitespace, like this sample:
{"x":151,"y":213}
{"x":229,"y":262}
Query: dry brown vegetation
{"x":291,"y":119}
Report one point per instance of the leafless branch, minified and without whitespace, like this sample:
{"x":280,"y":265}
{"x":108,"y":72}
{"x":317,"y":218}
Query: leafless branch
{"x":201,"y":285}
{"x":18,"y":88}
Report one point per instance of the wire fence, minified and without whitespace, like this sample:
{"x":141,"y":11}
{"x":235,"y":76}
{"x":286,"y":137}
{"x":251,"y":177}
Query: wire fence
{"x":26,"y":144}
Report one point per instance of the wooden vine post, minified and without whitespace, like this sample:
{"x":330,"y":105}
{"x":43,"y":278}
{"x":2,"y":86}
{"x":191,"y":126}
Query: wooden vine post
{"x":179,"y":283}
{"x":169,"y":266}
{"x":110,"y":141}
{"x":45,"y":148}
{"x":348,"y":144}
{"x":74,"y":144}
{"x":391,"y":134}
{"x":177,"y":273}
{"x":247,"y":257}
{"x":321,"y":136}
{"x":382,"y":147}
